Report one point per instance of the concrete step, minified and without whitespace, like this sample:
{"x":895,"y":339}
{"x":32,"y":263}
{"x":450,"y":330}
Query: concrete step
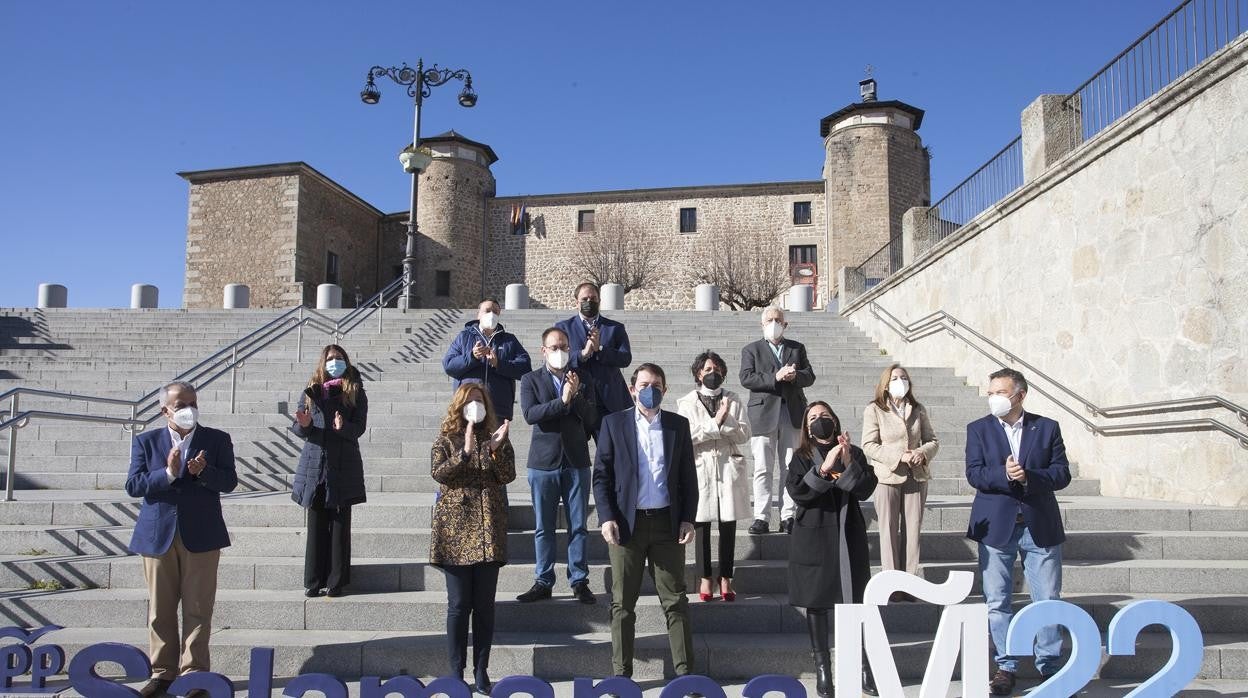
{"x":938,"y":546}
{"x":556,"y":657}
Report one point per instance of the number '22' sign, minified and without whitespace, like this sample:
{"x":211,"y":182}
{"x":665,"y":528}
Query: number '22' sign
{"x":860,"y":626}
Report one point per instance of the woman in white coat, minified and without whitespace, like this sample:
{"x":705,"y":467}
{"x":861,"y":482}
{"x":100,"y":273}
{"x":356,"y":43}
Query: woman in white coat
{"x":898,"y":439}
{"x":719,"y":427}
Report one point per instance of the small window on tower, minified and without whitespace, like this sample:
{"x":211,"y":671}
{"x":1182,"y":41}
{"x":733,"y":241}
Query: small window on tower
{"x":331,"y":268}
{"x":442,"y":283}
{"x":801,"y":213}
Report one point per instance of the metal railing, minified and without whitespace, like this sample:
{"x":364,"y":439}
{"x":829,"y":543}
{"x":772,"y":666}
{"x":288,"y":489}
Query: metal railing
{"x":882,"y":263}
{"x":992,"y":182}
{"x":940,"y":321}
{"x":228,"y":359}
{"x":1192,"y":32}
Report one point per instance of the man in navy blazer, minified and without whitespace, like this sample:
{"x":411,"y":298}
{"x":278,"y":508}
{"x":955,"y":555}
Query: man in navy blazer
{"x":180,"y":470}
{"x":563,"y":414}
{"x":599,"y":349}
{"x":1015,"y":461}
{"x":646,"y":491}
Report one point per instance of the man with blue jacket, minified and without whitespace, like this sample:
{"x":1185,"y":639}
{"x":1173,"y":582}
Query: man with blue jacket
{"x":483,"y":352}
{"x":180,"y":470}
{"x":599,"y":349}
{"x":1016,"y":461}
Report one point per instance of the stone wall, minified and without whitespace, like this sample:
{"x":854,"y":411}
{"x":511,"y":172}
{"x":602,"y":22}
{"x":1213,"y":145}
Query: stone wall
{"x":543,"y":257}
{"x":1122,"y":272}
{"x":330,"y":221}
{"x":451,"y":214}
{"x":242,"y":231}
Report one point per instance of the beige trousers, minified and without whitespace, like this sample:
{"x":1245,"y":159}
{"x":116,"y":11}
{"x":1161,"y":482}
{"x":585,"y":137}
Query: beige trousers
{"x":190,"y":578}
{"x":897,"y":506}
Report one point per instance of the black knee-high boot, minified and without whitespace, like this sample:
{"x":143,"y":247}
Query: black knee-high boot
{"x":817,"y":623}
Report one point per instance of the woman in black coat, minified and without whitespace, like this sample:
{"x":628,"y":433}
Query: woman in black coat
{"x":828,"y":558}
{"x":331,"y":417}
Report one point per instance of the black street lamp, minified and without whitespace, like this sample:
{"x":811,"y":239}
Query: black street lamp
{"x":418,"y":81}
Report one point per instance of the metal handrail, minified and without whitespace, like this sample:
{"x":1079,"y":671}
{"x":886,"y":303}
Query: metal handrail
{"x":202,"y":374}
{"x":936,"y":322}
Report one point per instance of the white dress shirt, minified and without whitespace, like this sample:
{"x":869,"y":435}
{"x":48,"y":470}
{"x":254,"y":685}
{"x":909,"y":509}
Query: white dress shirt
{"x":1014,"y":434}
{"x":652,"y":463}
{"x":181,"y":443}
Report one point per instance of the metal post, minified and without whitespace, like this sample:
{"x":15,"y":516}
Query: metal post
{"x":299,"y":341}
{"x":233,"y":377}
{"x":381,"y":310}
{"x":8,"y":482}
{"x":409,"y":255}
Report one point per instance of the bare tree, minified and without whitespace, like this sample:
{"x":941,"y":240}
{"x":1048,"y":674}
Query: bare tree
{"x":615,"y":252}
{"x":751,"y":270}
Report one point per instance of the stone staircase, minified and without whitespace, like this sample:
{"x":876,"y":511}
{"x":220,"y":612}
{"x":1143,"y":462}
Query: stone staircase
{"x":71,"y":522}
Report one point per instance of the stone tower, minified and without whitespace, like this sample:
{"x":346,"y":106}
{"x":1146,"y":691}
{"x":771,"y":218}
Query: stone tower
{"x":451,"y":212}
{"x":875,"y":168}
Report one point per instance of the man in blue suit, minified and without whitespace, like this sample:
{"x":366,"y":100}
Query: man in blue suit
{"x":1015,"y":461}
{"x":563,"y":414}
{"x":646,"y":490}
{"x":483,"y":352}
{"x":180,"y":470}
{"x":599,"y":349}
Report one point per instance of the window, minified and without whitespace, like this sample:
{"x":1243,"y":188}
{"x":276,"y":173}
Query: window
{"x":801,"y":213}
{"x":331,"y":268}
{"x":688,"y":220}
{"x":585,"y":221}
{"x":802,"y":254}
{"x":442,"y":283}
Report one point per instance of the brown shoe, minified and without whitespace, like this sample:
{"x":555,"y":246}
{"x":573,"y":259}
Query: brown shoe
{"x":155,"y":687}
{"x":1002,"y":683}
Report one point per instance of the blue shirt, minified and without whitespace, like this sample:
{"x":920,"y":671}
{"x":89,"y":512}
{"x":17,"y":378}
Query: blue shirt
{"x":651,"y":463}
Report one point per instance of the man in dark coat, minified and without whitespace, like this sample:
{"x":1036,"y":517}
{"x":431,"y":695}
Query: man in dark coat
{"x":599,"y":349}
{"x":180,"y":469}
{"x":484,"y":352}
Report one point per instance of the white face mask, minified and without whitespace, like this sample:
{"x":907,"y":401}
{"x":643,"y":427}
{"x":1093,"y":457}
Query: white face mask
{"x":186,"y":418}
{"x":489,"y":321}
{"x":557,"y":359}
{"x":999,"y":405}
{"x":773,"y":330}
{"x":474,"y":412}
{"x":898,"y":387}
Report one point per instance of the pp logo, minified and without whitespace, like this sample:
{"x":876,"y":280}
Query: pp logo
{"x":42,"y":662}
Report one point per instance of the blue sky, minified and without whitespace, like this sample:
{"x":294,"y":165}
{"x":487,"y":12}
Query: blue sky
{"x":105,"y":101}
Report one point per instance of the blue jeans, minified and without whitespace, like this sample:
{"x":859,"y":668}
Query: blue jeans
{"x":1043,"y":570}
{"x":548,"y":487}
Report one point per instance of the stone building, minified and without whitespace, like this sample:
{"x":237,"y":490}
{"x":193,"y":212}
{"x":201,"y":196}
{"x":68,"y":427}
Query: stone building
{"x":283,"y":229}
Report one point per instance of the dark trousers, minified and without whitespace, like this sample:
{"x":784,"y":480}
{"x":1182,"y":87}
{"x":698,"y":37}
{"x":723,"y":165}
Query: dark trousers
{"x":327,"y":559}
{"x":653,"y":540}
{"x":727,"y":547}
{"x":470,"y":598}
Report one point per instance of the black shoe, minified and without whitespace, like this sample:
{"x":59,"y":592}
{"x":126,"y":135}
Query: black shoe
{"x":868,"y":681}
{"x":758,"y":527}
{"x":155,"y":687}
{"x":823,"y":675}
{"x":1002,"y":683}
{"x":483,"y":683}
{"x":538,"y":592}
{"x":198,"y":693}
{"x":313,"y":593}
{"x":334,"y":592}
{"x":581,"y":592}
{"x":787,"y":525}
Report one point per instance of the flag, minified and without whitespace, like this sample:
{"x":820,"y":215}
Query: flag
{"x":519,"y":219}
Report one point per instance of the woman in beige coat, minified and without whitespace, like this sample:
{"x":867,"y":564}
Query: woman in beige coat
{"x":899,"y":442}
{"x":719,"y":427}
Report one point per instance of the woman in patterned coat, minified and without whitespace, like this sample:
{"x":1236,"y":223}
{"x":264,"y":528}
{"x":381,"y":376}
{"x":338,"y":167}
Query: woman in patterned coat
{"x":472,"y":462}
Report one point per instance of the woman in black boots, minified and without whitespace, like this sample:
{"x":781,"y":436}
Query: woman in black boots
{"x":828,"y":558}
{"x":331,"y":417}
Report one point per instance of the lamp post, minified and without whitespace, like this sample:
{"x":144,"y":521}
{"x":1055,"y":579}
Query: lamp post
{"x":418,"y":81}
